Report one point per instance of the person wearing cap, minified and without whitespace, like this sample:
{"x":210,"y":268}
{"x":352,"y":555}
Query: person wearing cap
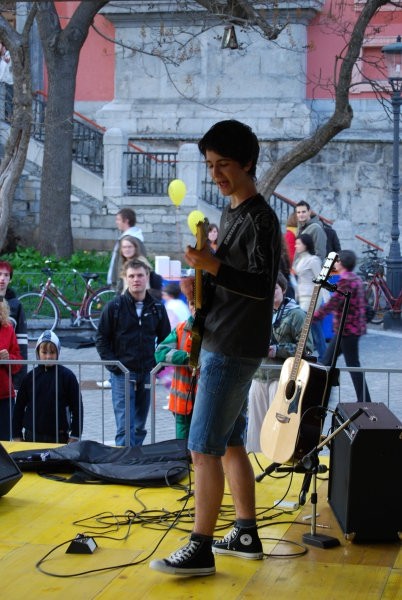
{"x":49,"y":406}
{"x":175,"y":349}
{"x":9,"y":350}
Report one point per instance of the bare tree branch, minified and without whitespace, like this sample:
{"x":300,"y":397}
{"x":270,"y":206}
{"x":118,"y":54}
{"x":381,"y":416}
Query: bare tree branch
{"x":342,"y":116}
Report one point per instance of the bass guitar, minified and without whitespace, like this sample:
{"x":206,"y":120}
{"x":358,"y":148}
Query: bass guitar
{"x":197,"y":330}
{"x":292,"y":427}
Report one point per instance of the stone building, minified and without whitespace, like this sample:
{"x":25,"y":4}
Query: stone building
{"x":165,"y":107}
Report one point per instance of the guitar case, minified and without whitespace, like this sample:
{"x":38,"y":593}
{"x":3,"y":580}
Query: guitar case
{"x":154,"y":465}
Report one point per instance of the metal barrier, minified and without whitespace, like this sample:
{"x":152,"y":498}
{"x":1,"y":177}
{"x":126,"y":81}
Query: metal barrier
{"x":385,"y":386}
{"x":98,"y":429}
{"x":99,"y":423}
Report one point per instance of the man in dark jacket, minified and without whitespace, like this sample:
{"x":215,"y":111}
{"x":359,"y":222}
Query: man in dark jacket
{"x":129,"y":327}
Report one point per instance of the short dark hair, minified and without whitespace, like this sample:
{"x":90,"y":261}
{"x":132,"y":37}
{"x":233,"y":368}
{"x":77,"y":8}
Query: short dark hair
{"x":282,"y":281}
{"x":234,"y":140}
{"x":308,"y":241}
{"x":4,"y":264}
{"x":347,"y":258}
{"x":128,"y":214}
{"x":303,"y":203}
{"x":136,"y":264}
{"x":172,"y":289}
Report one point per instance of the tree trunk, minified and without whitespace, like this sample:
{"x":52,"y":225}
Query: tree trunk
{"x":55,"y":233}
{"x":18,"y":140}
{"x":61,"y":49}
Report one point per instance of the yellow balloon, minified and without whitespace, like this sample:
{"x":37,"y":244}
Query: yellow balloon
{"x":193,"y":219}
{"x":177,"y":190}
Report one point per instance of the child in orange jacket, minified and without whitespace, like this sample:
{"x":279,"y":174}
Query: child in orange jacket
{"x":175,"y":349}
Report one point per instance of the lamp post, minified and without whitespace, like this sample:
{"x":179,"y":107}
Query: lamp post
{"x":393,"y":60}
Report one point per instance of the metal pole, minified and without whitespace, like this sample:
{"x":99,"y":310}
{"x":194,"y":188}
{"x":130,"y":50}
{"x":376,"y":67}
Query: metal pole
{"x":394,"y":259}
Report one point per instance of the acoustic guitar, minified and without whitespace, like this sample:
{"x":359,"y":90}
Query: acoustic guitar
{"x":292,"y":425}
{"x":197,"y":330}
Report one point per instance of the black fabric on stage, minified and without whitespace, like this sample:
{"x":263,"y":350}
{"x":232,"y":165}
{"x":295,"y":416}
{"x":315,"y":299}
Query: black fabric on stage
{"x":153,"y":465}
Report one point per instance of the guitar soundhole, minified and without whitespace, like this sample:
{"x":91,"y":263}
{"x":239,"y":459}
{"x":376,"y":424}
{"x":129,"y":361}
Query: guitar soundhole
{"x":290,"y":389}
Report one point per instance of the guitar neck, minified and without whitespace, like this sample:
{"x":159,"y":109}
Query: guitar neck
{"x":198,"y":289}
{"x":304,"y":333}
{"x":201,"y":240}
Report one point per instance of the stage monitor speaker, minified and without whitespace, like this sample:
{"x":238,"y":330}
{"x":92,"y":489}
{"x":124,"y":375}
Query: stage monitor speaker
{"x":365,"y":473}
{"x":9,"y":472}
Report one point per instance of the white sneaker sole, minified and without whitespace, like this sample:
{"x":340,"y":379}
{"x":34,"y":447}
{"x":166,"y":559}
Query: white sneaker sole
{"x":238,"y":553}
{"x":163,"y":567}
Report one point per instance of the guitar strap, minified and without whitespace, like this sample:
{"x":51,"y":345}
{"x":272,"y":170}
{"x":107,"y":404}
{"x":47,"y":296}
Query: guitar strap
{"x":209,"y":280}
{"x":233,"y":229}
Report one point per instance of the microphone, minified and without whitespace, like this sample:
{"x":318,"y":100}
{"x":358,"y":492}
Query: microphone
{"x":267,"y":471}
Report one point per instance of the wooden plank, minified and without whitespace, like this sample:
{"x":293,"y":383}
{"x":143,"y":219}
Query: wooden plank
{"x":38,"y":514}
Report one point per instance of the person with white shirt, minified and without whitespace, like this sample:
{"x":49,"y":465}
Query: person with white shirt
{"x":126,"y":220}
{"x":176,"y":308}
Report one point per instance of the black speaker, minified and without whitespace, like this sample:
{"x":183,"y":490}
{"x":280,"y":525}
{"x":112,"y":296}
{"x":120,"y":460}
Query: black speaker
{"x":365,"y":474}
{"x":9,"y":472}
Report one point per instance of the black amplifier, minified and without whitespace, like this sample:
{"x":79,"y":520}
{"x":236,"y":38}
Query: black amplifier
{"x":365,"y":474}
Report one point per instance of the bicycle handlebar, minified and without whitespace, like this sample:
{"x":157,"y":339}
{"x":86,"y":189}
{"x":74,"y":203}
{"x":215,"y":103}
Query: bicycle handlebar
{"x":85,"y":276}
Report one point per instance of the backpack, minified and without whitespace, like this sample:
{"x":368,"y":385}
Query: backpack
{"x":333,"y":243}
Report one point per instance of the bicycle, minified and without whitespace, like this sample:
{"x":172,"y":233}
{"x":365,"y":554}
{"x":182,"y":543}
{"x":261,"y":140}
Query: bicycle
{"x":380,"y":298}
{"x":42,"y":310}
{"x":372,"y":263}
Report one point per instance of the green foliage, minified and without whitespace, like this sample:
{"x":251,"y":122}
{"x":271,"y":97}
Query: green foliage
{"x":28,"y":264}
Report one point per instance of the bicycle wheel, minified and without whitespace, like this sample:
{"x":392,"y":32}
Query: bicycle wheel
{"x":40,"y":312}
{"x":376,"y":299}
{"x":97,"y":303}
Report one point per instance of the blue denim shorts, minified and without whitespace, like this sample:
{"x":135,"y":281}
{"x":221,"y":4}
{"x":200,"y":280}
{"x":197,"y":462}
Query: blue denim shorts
{"x":220,"y":408}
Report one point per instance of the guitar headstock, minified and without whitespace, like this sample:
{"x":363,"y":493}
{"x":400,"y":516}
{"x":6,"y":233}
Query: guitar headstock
{"x":201,"y":233}
{"x":327,"y":268}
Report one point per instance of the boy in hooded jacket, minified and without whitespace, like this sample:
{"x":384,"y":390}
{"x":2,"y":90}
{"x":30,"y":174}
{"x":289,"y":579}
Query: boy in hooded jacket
{"x":175,"y":349}
{"x":49,"y":405}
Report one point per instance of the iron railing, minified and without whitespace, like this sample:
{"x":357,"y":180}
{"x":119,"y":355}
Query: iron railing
{"x":87,"y":136}
{"x":149,"y":174}
{"x":210,"y":194}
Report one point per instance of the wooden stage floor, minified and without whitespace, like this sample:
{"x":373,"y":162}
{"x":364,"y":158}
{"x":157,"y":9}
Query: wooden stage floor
{"x":39,"y":514}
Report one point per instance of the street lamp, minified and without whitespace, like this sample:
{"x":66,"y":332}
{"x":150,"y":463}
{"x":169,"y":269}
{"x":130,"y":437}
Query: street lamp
{"x":393,"y":60}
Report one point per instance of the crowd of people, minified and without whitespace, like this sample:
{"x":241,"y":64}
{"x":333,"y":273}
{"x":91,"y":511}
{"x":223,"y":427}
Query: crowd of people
{"x":260,"y":284}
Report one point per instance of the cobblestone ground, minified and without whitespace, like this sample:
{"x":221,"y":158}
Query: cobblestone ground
{"x":378,"y":349}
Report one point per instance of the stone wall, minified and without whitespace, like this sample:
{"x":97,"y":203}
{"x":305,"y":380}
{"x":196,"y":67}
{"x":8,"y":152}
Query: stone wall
{"x":348,"y":182}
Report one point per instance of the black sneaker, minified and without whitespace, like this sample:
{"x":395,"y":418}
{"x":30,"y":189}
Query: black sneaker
{"x":195,"y":558}
{"x":244,"y":543}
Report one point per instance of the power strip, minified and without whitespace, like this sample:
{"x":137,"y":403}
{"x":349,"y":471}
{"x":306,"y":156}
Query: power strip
{"x":286,"y":504}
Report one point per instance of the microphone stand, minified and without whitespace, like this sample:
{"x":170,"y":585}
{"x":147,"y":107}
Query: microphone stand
{"x":310,"y":462}
{"x":333,"y":373}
